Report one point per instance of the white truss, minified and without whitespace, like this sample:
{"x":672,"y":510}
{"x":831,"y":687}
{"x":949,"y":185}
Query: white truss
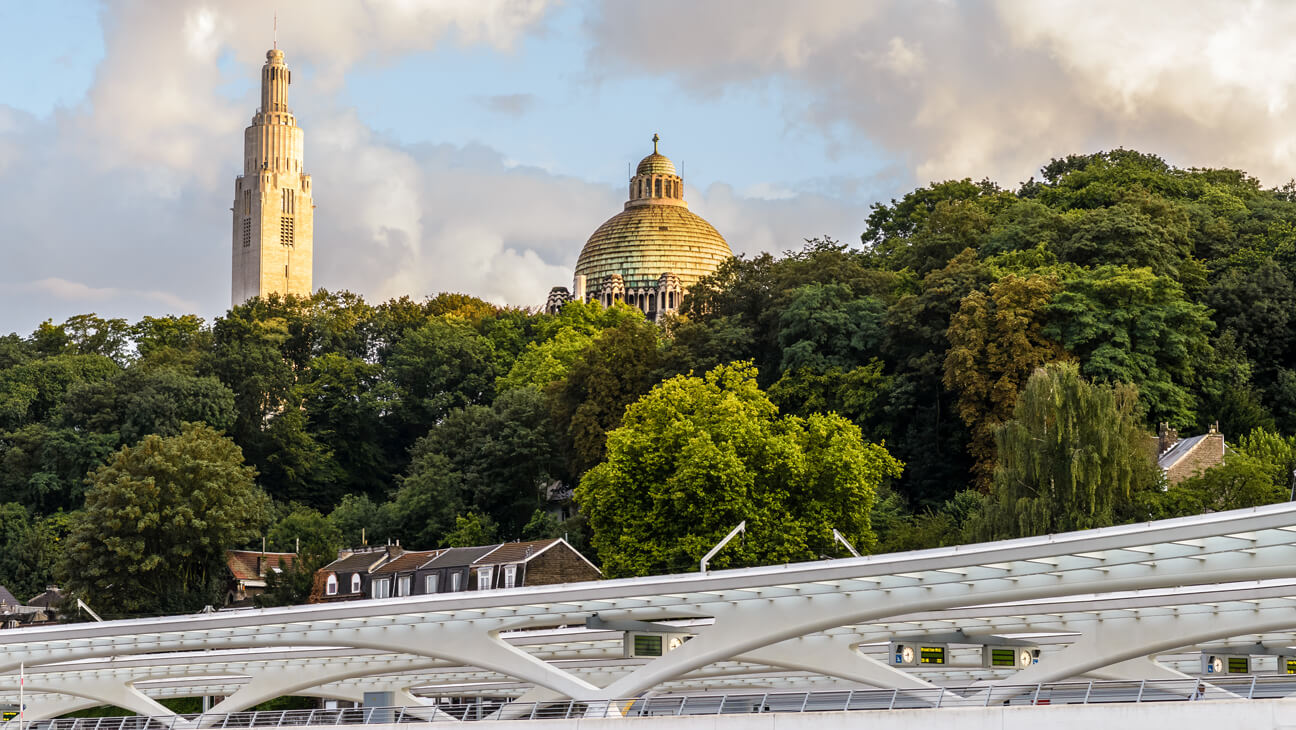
{"x":1102,"y":600}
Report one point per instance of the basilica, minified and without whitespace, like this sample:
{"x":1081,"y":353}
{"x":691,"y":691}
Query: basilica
{"x":649,"y":254}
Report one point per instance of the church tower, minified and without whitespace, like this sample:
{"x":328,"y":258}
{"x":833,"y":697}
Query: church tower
{"x":273,"y":212}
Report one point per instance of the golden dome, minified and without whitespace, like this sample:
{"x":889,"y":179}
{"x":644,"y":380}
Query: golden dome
{"x":656,"y":234}
{"x":643,"y":242}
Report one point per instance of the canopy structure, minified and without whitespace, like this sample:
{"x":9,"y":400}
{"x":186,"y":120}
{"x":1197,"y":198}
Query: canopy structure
{"x":1129,"y":602}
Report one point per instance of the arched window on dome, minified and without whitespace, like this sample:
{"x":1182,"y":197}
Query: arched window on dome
{"x":657,"y":193}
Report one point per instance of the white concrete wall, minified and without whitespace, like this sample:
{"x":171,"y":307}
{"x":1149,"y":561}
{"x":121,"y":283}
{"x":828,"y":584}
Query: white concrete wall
{"x":1243,"y":714}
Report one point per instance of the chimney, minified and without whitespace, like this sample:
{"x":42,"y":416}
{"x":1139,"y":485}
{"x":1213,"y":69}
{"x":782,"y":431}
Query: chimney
{"x":1166,"y":437}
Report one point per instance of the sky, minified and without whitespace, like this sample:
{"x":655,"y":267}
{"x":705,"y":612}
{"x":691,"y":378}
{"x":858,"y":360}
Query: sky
{"x":473,"y":145}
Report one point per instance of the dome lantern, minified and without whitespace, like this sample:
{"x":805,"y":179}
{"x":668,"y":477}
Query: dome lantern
{"x":655,"y":181}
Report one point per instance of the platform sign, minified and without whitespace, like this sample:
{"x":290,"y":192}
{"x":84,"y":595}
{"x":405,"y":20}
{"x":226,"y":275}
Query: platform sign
{"x":1009,"y":657}
{"x":932,"y":655}
{"x":1287,"y":665}
{"x":1225,"y":663}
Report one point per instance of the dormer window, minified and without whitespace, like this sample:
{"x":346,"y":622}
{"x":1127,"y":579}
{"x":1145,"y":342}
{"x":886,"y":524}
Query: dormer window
{"x":330,"y":587}
{"x":355,"y":582}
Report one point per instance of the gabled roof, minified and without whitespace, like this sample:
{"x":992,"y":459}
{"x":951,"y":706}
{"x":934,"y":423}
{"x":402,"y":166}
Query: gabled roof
{"x":409,"y":561}
{"x":359,"y":562}
{"x":516,"y":552}
{"x":1172,"y":455}
{"x":7,"y":597}
{"x":458,"y":557}
{"x":47,"y":598}
{"x":243,"y":563}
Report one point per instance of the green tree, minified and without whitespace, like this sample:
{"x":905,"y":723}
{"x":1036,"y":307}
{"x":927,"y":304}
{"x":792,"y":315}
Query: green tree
{"x":825,"y":325}
{"x":698,"y":455}
{"x":471,"y":530}
{"x":158,"y":520}
{"x":1131,"y":326}
{"x":996,"y":342}
{"x":359,"y":520}
{"x":30,"y":549}
{"x":490,"y":460}
{"x":316,"y":541}
{"x":1073,"y":457}
{"x":619,"y":367}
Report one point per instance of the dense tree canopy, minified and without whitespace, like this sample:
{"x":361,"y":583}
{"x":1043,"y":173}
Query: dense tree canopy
{"x":437,"y":420}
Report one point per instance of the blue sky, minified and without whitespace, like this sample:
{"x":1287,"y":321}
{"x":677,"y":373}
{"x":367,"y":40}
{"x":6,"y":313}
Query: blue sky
{"x":473,"y":145}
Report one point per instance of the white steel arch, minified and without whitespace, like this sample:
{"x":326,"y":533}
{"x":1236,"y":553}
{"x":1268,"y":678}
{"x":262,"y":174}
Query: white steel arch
{"x":1193,"y":580}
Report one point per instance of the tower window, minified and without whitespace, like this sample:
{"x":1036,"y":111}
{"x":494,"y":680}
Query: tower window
{"x":286,"y":230}
{"x":288,"y":202}
{"x":247,"y":232}
{"x":657,"y":188}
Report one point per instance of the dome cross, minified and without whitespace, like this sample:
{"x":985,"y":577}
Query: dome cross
{"x":655,"y":139}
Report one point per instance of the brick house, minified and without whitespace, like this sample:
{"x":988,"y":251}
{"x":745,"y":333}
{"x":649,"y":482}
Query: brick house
{"x":1180,"y":459}
{"x":248,"y":570}
{"x":391,"y":572}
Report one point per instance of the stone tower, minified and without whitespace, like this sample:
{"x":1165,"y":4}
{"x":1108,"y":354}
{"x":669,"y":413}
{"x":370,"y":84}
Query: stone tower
{"x":273,"y":212}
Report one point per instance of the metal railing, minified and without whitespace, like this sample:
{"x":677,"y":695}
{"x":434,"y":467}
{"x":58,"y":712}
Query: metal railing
{"x":1059,"y":693}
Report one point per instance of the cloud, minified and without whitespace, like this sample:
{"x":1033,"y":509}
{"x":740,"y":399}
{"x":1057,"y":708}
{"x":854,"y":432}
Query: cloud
{"x":990,"y":88}
{"x":512,"y":105}
{"x":79,"y":293}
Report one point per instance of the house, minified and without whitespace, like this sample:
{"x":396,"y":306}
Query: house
{"x":13,"y":614}
{"x":1180,"y":459}
{"x":348,"y":577}
{"x":486,"y":567}
{"x":248,"y":570}
{"x":397,"y":577}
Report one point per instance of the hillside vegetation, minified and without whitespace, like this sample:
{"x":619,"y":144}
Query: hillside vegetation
{"x":987,"y":363}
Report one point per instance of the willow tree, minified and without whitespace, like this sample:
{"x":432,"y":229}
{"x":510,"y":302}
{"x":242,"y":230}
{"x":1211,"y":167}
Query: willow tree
{"x":1073,"y":457}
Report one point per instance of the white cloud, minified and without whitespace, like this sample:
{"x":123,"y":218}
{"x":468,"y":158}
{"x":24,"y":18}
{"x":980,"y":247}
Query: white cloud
{"x":996,"y":88}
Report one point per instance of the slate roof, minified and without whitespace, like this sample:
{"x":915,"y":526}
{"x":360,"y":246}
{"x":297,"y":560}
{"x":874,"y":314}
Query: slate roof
{"x":243,"y":563}
{"x":7,"y":597}
{"x":1172,"y":455}
{"x":357,"y":562}
{"x":459,"y":557}
{"x":47,"y":598}
{"x":515,"y":552}
{"x":409,"y":561}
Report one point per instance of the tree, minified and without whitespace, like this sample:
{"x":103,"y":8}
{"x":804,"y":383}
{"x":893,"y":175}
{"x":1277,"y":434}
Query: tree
{"x":613,"y":372}
{"x":825,"y":325}
{"x":315,"y":540}
{"x":996,"y":342}
{"x":1131,"y":326}
{"x":490,"y":460}
{"x":471,"y":530}
{"x":1241,"y":481}
{"x":30,"y":548}
{"x":1073,"y":457}
{"x":696,"y":456}
{"x":441,"y":366}
{"x":358,"y":519}
{"x":158,"y":520}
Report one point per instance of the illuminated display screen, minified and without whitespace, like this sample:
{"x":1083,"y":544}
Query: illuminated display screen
{"x":931,"y":655}
{"x":1239,"y":665}
{"x":8,"y":715}
{"x":1003,"y":657}
{"x":647,"y":645}
{"x":1289,"y":666}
